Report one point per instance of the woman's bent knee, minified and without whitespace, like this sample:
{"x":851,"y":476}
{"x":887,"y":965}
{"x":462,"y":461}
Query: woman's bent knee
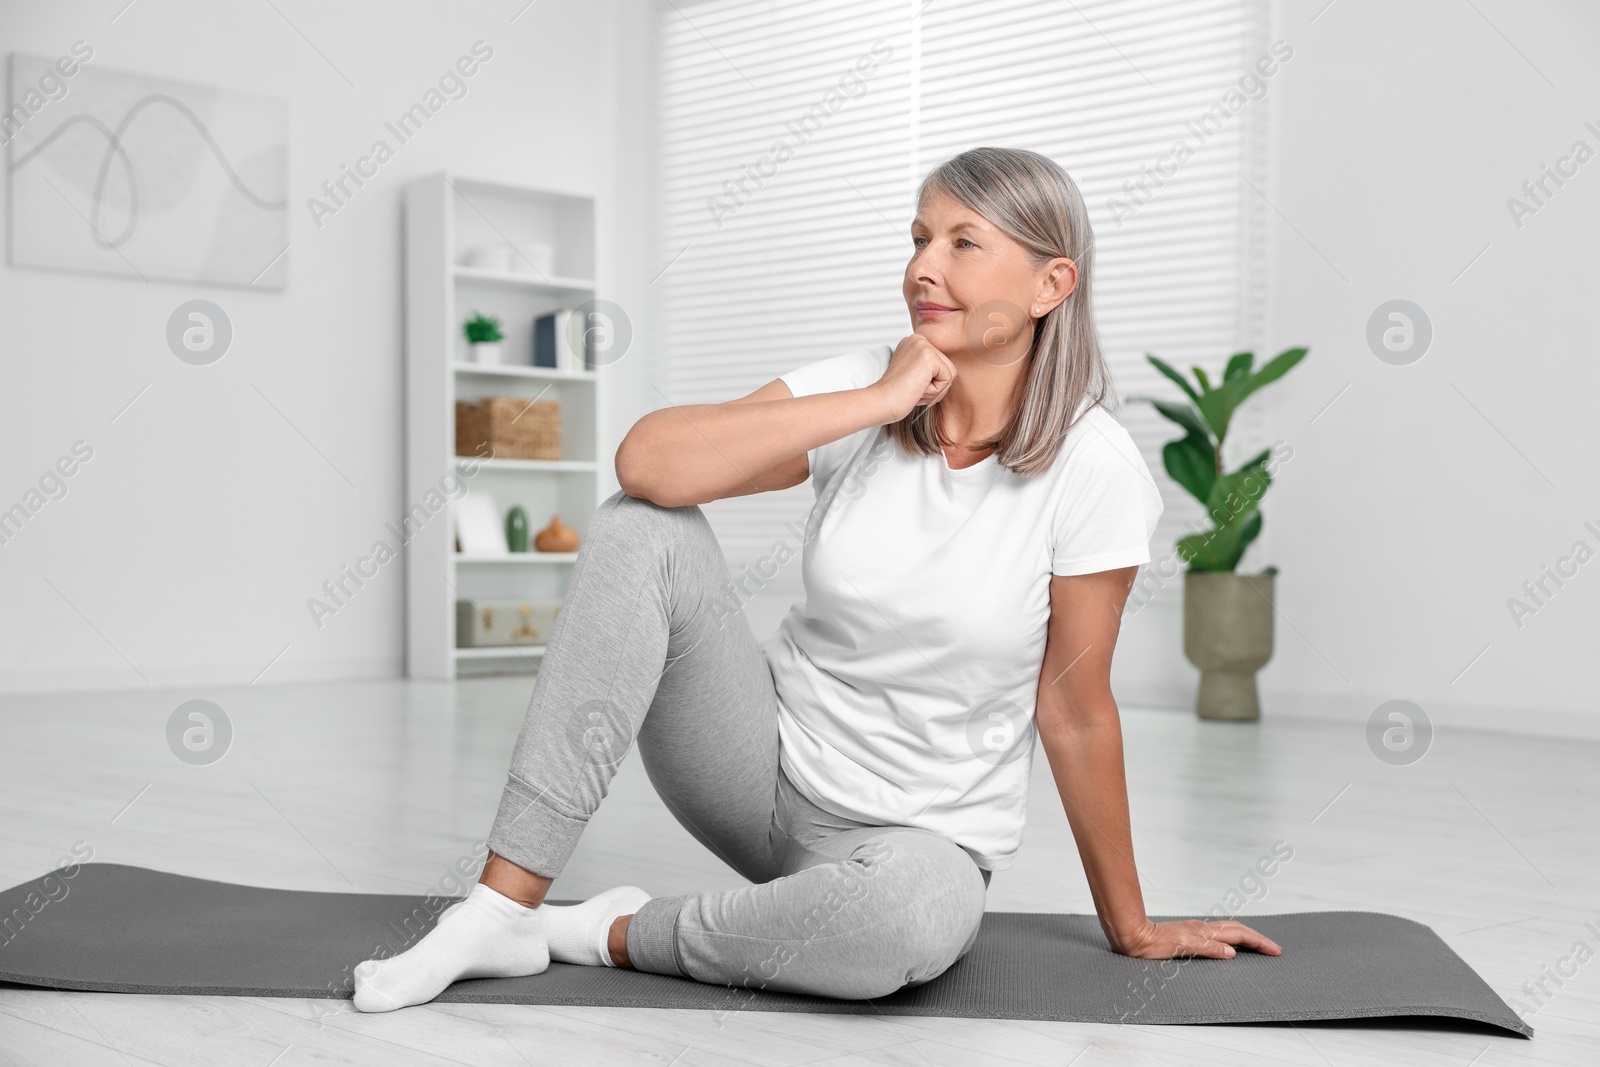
{"x":638,"y":520}
{"x":933,"y":897}
{"x":951,"y":935}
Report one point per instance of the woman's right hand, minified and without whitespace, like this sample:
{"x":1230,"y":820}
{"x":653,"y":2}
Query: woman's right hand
{"x":1194,"y":937}
{"x":917,"y":375}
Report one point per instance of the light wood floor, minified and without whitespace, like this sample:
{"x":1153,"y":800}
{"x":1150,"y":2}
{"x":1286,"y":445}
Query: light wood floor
{"x":379,"y":786}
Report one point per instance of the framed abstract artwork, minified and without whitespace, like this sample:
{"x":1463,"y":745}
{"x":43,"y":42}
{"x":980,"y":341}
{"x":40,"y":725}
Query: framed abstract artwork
{"x":144,"y":177}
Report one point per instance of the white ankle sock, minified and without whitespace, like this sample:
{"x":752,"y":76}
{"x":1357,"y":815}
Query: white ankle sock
{"x":486,"y":935}
{"x":577,"y":933}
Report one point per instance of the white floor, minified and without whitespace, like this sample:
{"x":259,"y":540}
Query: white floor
{"x":380,"y":786}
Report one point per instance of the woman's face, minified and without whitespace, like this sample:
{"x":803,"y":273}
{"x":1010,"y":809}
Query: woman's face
{"x":971,"y":289}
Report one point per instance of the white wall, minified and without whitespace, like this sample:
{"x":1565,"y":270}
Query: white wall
{"x":185,"y":549}
{"x":1420,"y":501}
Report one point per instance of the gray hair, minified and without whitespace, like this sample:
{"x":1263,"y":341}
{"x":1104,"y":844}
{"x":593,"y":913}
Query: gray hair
{"x":1031,"y":199}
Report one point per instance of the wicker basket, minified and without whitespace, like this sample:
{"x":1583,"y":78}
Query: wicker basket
{"x":508,"y":427}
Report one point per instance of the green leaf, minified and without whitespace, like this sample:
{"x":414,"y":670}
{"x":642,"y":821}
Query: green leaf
{"x":1192,"y":463}
{"x":1219,"y":405}
{"x":1191,"y":460}
{"x":1252,"y":530}
{"x":1184,"y":416}
{"x":1224,"y":553}
{"x":1221,"y":548}
{"x":1239,"y":364}
{"x":1275,"y":368}
{"x":1232,"y":505}
{"x":1200,"y":376}
{"x":1216,"y":407}
{"x":1167,"y":369}
{"x":1233,"y":495}
{"x":1213,"y":550}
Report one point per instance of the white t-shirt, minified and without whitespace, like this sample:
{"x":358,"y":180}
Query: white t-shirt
{"x":907,"y":679}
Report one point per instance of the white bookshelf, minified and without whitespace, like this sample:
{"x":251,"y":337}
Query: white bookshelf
{"x":445,"y":215}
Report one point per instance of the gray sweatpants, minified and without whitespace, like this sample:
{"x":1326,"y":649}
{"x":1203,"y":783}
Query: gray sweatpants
{"x":642,"y":649}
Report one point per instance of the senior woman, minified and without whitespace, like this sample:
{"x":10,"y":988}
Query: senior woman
{"x":979,"y":517}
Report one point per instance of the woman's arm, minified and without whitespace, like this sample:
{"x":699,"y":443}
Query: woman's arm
{"x":1078,"y":725}
{"x":696,"y":453}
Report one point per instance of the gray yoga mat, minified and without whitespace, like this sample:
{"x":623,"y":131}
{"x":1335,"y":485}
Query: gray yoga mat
{"x":124,"y":929}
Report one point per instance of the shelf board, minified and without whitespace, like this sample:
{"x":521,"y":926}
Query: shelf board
{"x":498,"y":652}
{"x":518,"y":370}
{"x":557,"y":466}
{"x":517,"y":557}
{"x":522,"y":280}
{"x":541,"y":192}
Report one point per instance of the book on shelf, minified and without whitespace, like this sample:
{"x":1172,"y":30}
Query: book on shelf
{"x":553,"y":335}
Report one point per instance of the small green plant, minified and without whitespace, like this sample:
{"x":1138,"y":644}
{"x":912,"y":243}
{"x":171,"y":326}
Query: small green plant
{"x":482,"y":329}
{"x":1194,"y":461}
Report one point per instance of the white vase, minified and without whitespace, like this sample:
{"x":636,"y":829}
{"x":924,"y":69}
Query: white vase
{"x":484,"y":352}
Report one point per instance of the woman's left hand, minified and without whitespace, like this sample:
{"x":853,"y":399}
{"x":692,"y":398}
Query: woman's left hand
{"x":1194,"y":937}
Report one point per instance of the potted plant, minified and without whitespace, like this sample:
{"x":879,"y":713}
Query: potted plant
{"x":1227,"y":617}
{"x":483,"y":338}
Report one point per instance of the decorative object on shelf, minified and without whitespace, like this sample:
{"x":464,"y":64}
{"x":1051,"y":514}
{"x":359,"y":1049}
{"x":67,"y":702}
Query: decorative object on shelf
{"x":508,"y":427}
{"x":484,"y":337}
{"x":498,"y":623}
{"x":535,"y":257}
{"x":517,"y":529}
{"x":478,"y":527}
{"x":557,"y":341}
{"x":1227,"y":617}
{"x":498,"y":256}
{"x":557,"y":537}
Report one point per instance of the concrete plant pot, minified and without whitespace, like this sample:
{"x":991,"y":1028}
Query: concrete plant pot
{"x":1227,"y":633}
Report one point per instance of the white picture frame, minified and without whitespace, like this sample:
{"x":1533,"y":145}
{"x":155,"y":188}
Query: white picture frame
{"x":140,"y":176}
{"x":479,"y":527}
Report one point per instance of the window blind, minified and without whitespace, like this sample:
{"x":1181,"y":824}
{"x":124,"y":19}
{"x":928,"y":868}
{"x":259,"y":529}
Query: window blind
{"x":793,"y":137}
